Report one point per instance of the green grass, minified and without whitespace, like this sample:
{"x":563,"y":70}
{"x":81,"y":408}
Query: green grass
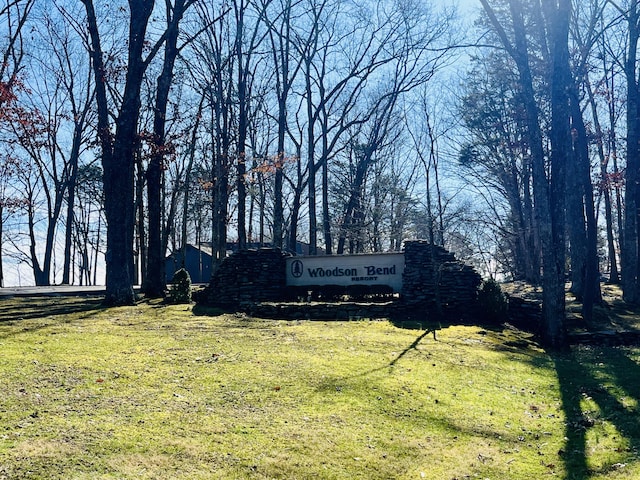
{"x":159,"y":392}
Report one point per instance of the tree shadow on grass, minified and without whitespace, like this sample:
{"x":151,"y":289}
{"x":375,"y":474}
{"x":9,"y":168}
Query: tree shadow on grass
{"x":605,"y":376}
{"x":200,"y":310}
{"x":413,"y":346}
{"x":27,"y":308}
{"x":391,"y":363}
{"x":49,"y":310}
{"x":598,"y":385}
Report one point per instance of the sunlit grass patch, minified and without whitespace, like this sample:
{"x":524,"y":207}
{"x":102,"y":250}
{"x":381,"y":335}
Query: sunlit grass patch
{"x":154,"y":391}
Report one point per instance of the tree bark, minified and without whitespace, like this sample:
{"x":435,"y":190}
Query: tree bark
{"x":547,"y":213}
{"x":71,"y":194}
{"x":1,"y":238}
{"x":243,"y":120}
{"x":140,"y":240}
{"x":555,"y":333}
{"x":349,"y":228}
{"x":630,"y":257}
{"x":155,"y":282}
{"x":604,"y":186}
{"x":220,"y":173}
{"x":590,"y":293}
{"x":285,"y":73}
{"x":118,"y":151}
{"x":326,"y":214}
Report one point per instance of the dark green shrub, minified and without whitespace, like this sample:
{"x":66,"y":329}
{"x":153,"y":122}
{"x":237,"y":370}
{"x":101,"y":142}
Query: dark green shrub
{"x":295,"y":293}
{"x":381,"y":290}
{"x":492,"y":302}
{"x":331,"y":293}
{"x":357,"y":292}
{"x":180,"y":287}
{"x":199,"y":295}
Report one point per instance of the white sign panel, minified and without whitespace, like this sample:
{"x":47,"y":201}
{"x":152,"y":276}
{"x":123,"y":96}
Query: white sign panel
{"x":345,"y":270}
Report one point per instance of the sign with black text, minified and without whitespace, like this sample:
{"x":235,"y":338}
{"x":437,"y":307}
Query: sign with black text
{"x":345,"y":270}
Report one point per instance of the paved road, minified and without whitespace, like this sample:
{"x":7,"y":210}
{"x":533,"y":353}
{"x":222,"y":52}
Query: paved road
{"x":55,"y":290}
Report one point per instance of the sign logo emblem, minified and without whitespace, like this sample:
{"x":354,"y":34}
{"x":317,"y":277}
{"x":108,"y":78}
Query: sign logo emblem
{"x":297,"y":269}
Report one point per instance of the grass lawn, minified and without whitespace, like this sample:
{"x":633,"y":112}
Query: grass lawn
{"x":163,"y":392}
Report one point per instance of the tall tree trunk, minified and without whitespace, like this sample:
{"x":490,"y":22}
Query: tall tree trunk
{"x":296,"y":204}
{"x":605,"y":187}
{"x":140,"y":240}
{"x":243,"y":121}
{"x":118,"y":153}
{"x":68,"y":237}
{"x":1,"y":243}
{"x":326,"y":214}
{"x":187,"y":184}
{"x":278,"y":208}
{"x":38,"y":273}
{"x":349,"y":227}
{"x":591,"y":276}
{"x":548,"y":213}
{"x":54,"y":216}
{"x":311,"y":165}
{"x":220,"y":175}
{"x":630,"y":257}
{"x":576,"y":225}
{"x":71,"y":192}
{"x":263,"y":208}
{"x":155,"y":282}
{"x":561,"y":80}
{"x":285,"y":74}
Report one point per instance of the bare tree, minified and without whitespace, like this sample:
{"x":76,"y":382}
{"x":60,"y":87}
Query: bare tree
{"x":118,"y":146}
{"x":45,"y":168}
{"x":595,"y":65}
{"x":250,"y":33}
{"x":212,"y":68}
{"x":548,"y":198}
{"x":54,"y":108}
{"x":13,"y":17}
{"x":64,"y":59}
{"x":286,"y":69}
{"x":88,"y":221}
{"x":347,"y":49}
{"x":154,"y":283}
{"x":364,"y":154}
{"x":496,"y":156}
{"x":631,"y":244}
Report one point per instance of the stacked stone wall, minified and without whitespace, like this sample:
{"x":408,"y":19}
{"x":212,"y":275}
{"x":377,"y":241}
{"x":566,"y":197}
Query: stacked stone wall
{"x":246,"y":277}
{"x":435,"y":284}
